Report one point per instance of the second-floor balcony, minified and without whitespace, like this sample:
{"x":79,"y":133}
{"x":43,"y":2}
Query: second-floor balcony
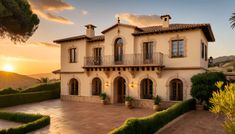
{"x":125,"y":60}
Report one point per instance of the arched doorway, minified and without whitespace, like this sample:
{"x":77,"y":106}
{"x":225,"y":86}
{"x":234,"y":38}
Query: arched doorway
{"x":146,"y":89}
{"x":118,"y":51}
{"x":73,"y":87}
{"x":96,"y":86}
{"x":176,"y":90}
{"x":119,"y":90}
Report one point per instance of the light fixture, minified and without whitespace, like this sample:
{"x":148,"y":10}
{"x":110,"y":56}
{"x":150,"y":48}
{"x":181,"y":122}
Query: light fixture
{"x":132,"y":84}
{"x":107,"y":84}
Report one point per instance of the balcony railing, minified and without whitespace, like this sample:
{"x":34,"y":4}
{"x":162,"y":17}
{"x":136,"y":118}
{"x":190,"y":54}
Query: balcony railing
{"x":155,"y":59}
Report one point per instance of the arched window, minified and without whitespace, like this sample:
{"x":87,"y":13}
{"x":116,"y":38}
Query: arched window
{"x":146,"y":91}
{"x":176,"y":90}
{"x":73,"y":87}
{"x":96,"y":86}
{"x":118,"y":50}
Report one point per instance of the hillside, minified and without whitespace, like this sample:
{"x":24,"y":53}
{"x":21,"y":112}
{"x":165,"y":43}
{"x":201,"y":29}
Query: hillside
{"x":15,"y":80}
{"x":43,"y":75}
{"x":223,"y":63}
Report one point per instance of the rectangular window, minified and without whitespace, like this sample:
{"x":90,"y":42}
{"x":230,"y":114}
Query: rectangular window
{"x":177,"y":48}
{"x":206,"y":53}
{"x":148,"y":51}
{"x":72,"y":55}
{"x":97,"y":56}
{"x":202,"y":50}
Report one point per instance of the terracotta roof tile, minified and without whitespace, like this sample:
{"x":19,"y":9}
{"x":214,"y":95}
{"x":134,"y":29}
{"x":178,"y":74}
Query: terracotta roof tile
{"x":206,"y":28}
{"x":96,"y":38}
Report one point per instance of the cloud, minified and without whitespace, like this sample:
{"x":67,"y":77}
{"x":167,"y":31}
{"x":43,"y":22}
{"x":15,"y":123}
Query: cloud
{"x":84,"y":12}
{"x":140,"y":20}
{"x":44,"y":44}
{"x":47,"y":9}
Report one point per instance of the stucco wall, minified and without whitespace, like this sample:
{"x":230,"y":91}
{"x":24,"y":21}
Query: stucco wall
{"x":160,"y":84}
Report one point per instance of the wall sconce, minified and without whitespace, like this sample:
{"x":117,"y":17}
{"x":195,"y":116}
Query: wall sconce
{"x":107,"y":84}
{"x":132,"y":84}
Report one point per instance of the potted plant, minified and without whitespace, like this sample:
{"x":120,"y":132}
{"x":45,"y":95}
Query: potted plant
{"x":156,"y":101}
{"x":128,"y":101}
{"x":103,"y":98}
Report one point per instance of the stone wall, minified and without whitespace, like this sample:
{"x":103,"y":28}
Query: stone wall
{"x":140,"y":103}
{"x":92,"y":99}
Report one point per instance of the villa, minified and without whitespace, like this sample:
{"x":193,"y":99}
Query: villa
{"x":140,"y":62}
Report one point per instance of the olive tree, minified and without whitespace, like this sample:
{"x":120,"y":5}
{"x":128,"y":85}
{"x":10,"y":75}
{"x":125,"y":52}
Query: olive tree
{"x":17,"y":21}
{"x":223,"y":101}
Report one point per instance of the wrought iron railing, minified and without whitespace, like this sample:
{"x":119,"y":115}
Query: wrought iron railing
{"x":125,"y":60}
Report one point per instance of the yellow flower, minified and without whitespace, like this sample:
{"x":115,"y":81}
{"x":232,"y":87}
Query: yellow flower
{"x":219,"y":84}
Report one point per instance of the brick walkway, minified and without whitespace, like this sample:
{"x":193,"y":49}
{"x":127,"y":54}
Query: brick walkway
{"x":80,"y":118}
{"x":196,"y":122}
{"x":8,"y":124}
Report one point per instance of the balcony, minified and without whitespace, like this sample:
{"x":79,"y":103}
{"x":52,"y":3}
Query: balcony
{"x":126,"y":60}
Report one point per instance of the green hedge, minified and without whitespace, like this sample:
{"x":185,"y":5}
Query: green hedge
{"x":8,"y":91}
{"x":43,"y":87}
{"x":33,"y":122}
{"x":36,"y":88}
{"x":23,"y":98}
{"x":152,"y":123}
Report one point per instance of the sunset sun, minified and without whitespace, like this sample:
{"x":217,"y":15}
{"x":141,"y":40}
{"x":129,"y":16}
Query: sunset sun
{"x":8,"y":68}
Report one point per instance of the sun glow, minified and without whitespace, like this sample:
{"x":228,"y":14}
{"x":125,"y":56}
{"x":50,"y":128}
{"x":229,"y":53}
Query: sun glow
{"x":8,"y":68}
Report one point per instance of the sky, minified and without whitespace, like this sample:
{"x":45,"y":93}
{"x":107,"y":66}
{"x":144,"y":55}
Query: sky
{"x":65,"y":18}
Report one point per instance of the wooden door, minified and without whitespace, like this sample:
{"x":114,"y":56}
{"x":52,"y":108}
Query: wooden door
{"x":97,"y":56}
{"x":121,"y":90}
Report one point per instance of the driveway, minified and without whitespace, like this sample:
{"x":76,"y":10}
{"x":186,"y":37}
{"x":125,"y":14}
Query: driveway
{"x":80,"y":118}
{"x":195,"y":122}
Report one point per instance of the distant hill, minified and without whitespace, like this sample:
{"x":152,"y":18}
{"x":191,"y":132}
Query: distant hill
{"x":223,"y":63}
{"x":14,"y":80}
{"x":223,"y":59}
{"x":50,"y":76}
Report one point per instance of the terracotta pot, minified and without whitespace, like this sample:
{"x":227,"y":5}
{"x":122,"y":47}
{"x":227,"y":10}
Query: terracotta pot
{"x":199,"y":107}
{"x":156,"y":107}
{"x":128,"y":104}
{"x":103,"y":102}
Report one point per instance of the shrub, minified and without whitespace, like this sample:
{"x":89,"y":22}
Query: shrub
{"x":152,"y":123}
{"x":157,"y":100}
{"x":203,"y":85}
{"x":8,"y":91}
{"x":223,"y":102}
{"x":229,"y":70}
{"x":103,"y":96}
{"x":128,"y":98}
{"x":43,"y":87}
{"x":33,"y":122}
{"x":22,"y":98}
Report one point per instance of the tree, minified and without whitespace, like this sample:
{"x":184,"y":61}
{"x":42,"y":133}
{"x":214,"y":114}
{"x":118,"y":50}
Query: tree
{"x":232,"y":20}
{"x":17,"y":21}
{"x":203,"y":85}
{"x":223,"y":101}
{"x":44,"y":80}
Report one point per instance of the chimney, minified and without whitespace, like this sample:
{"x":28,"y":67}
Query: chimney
{"x":90,"y":30}
{"x":165,"y":20}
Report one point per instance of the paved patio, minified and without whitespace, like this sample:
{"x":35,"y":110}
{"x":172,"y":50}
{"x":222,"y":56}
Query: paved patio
{"x":196,"y":122}
{"x":80,"y":118}
{"x":8,"y":124}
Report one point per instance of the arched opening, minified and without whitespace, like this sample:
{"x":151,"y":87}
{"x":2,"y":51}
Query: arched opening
{"x":96,"y":86}
{"x":146,"y":89}
{"x":119,"y":90}
{"x":176,"y":90}
{"x":118,"y":51}
{"x":73,"y":87}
